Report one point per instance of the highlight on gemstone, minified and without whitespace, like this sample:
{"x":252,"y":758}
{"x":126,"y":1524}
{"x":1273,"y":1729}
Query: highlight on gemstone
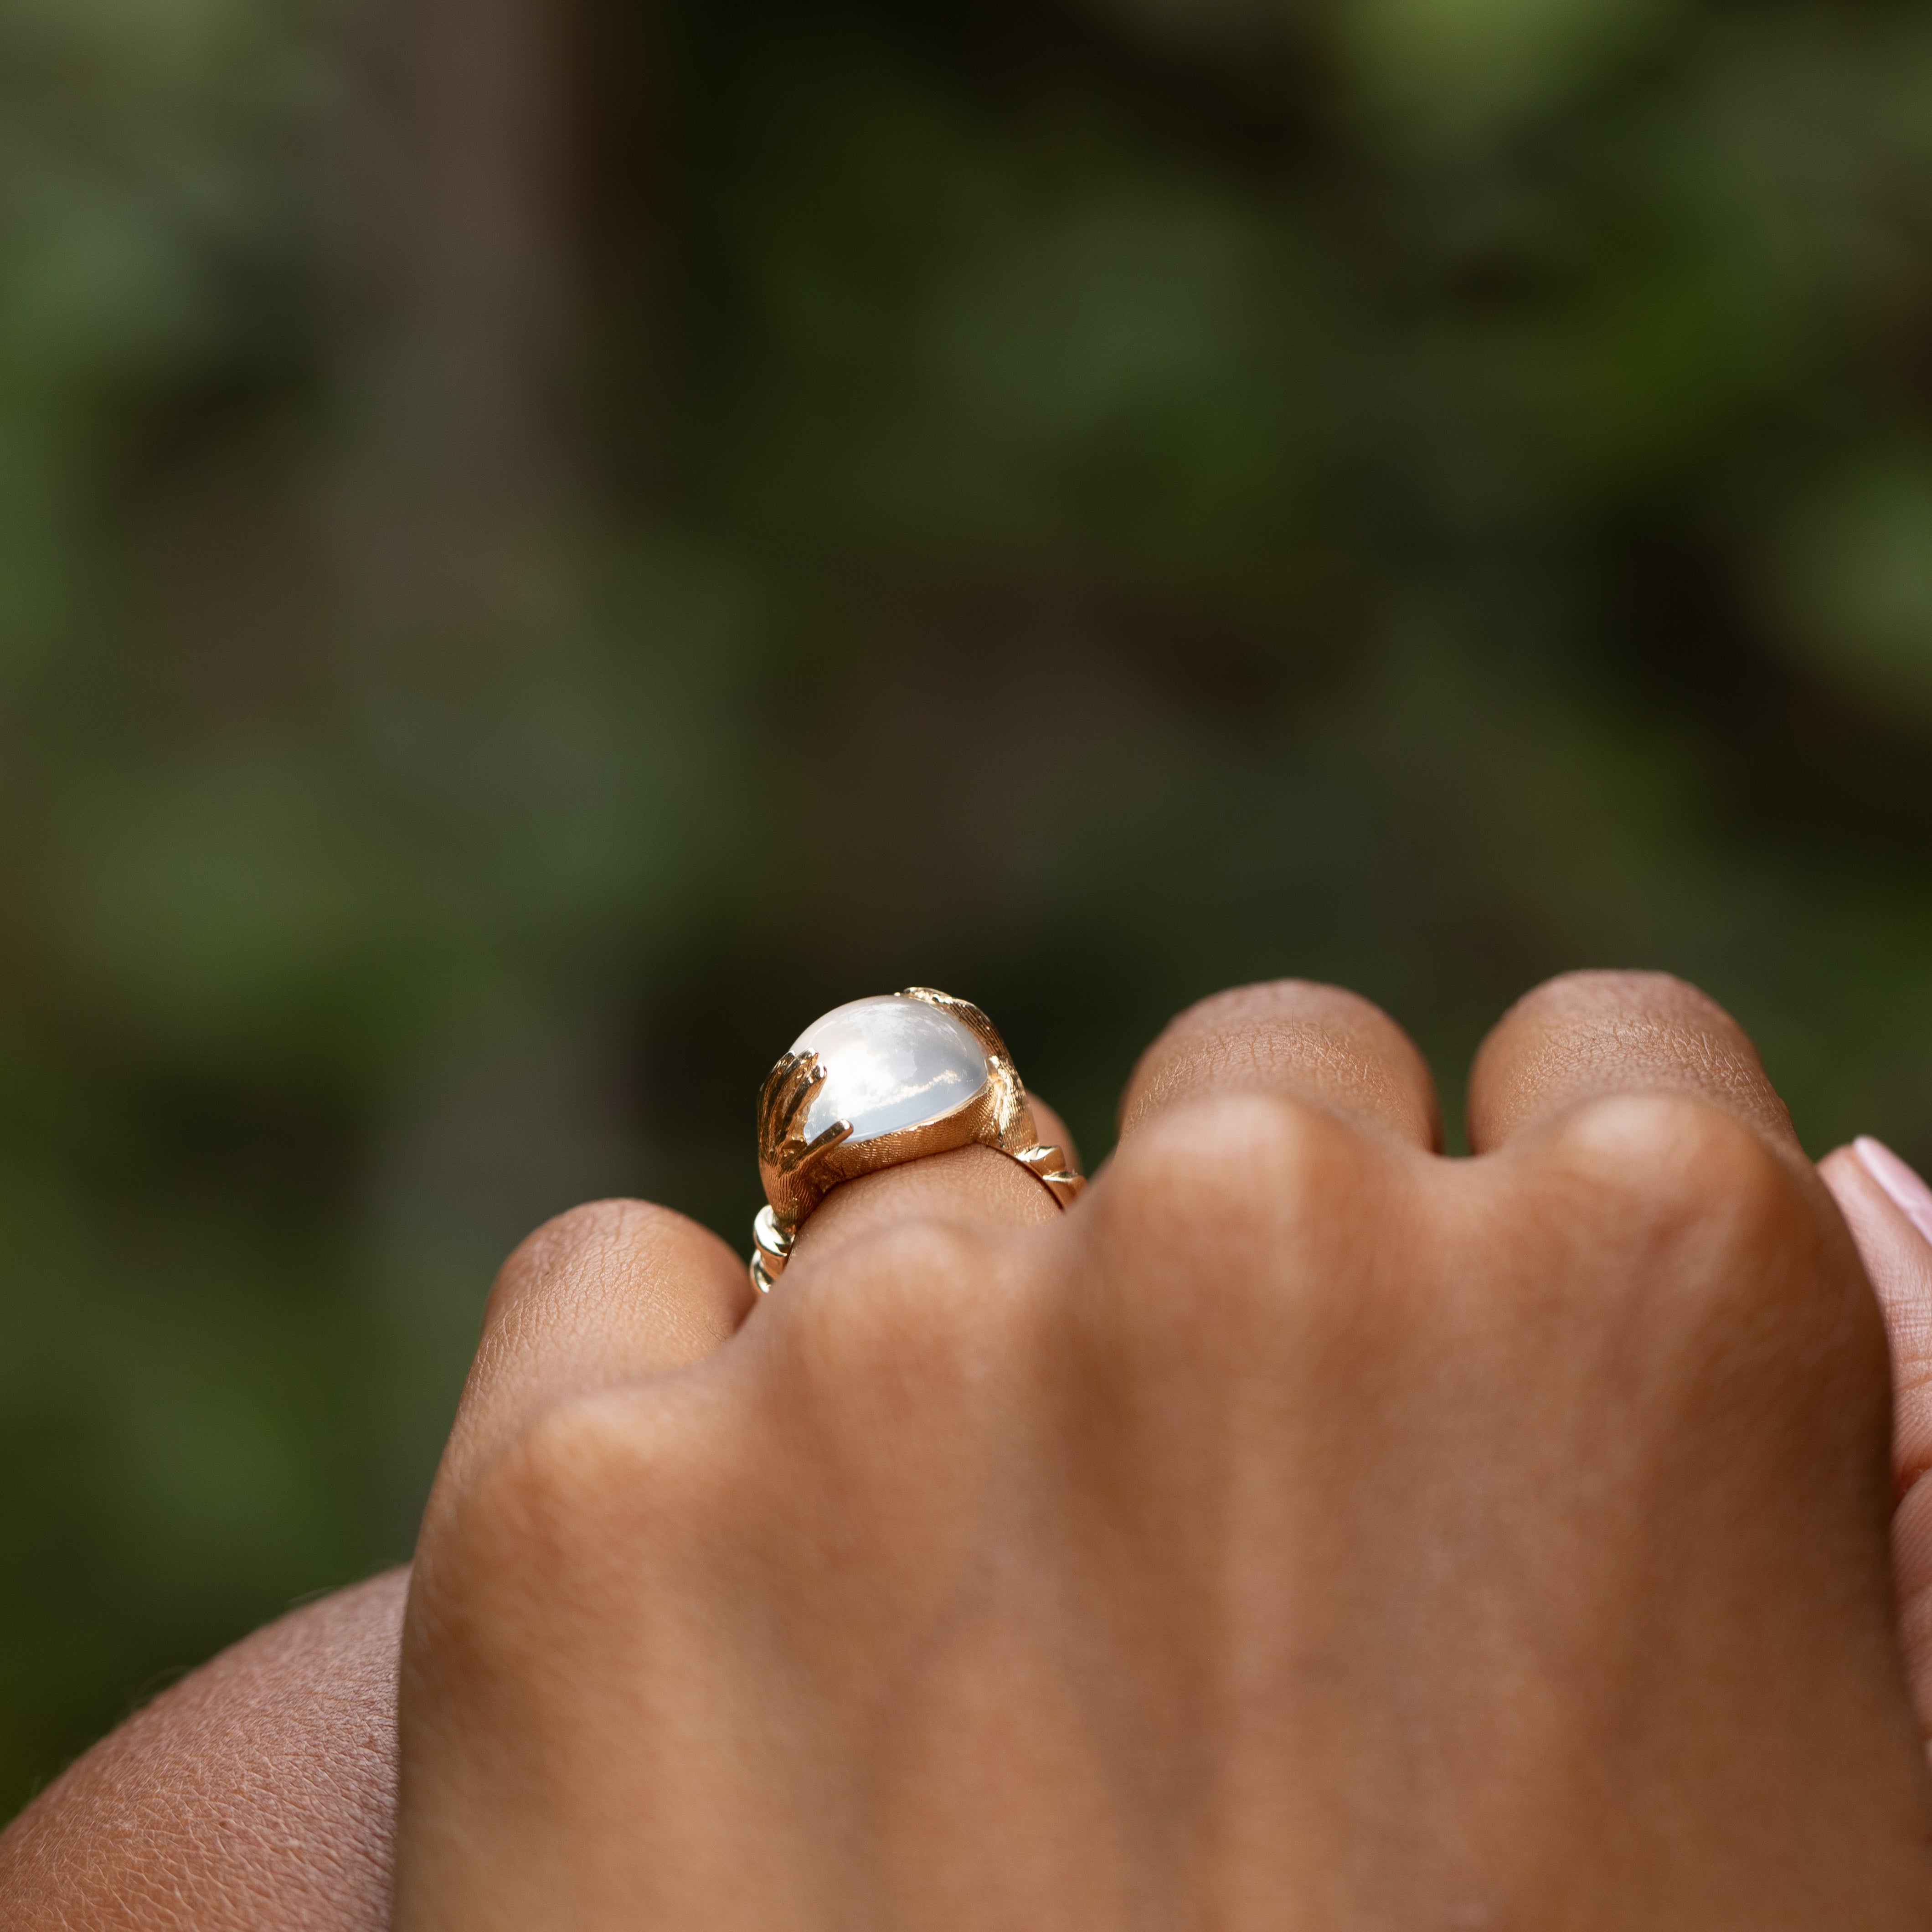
{"x":890,"y":1062}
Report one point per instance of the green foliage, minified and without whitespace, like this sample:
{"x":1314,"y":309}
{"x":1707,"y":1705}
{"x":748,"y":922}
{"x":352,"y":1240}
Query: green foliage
{"x":1114,"y":499}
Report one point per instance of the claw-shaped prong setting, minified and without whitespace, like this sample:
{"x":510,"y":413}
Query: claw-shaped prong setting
{"x":788,"y":1161}
{"x":787,"y":1092}
{"x":788,"y":1095}
{"x":797,"y":1155}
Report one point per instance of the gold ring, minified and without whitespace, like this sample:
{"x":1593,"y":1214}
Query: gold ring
{"x":881,"y":1080}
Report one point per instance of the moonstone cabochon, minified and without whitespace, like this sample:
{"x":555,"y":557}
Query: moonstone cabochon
{"x":889,"y":1062}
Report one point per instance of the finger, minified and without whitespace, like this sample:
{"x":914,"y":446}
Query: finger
{"x":1318,"y":1045}
{"x":606,"y":1294}
{"x":1888,"y":1210}
{"x":1590,"y":1035}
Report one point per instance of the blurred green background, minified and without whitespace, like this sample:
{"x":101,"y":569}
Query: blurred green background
{"x":541,"y":547}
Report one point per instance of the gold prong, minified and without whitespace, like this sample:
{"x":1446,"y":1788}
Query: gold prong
{"x":805,"y":1079}
{"x":797,"y":1158}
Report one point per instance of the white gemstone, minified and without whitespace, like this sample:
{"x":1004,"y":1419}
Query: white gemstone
{"x":889,"y":1062}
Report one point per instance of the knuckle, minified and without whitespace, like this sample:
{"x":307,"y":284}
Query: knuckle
{"x":1235,"y":1216}
{"x":1705,"y":1264}
{"x":898,"y":1319}
{"x":1679,"y":1151}
{"x":1242,"y":1163}
{"x":887,"y":1383}
{"x":1697,"y":1198}
{"x":562,"y":1517}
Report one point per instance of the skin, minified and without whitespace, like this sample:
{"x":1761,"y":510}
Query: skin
{"x":257,"y":1795}
{"x":1305,"y":1531}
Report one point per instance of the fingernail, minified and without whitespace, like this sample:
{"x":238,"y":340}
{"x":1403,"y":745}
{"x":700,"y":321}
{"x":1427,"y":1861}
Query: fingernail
{"x":1909,"y":1195}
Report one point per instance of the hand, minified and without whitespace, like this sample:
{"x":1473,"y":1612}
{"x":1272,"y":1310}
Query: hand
{"x":1303,"y":1530}
{"x":258,"y":1794}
